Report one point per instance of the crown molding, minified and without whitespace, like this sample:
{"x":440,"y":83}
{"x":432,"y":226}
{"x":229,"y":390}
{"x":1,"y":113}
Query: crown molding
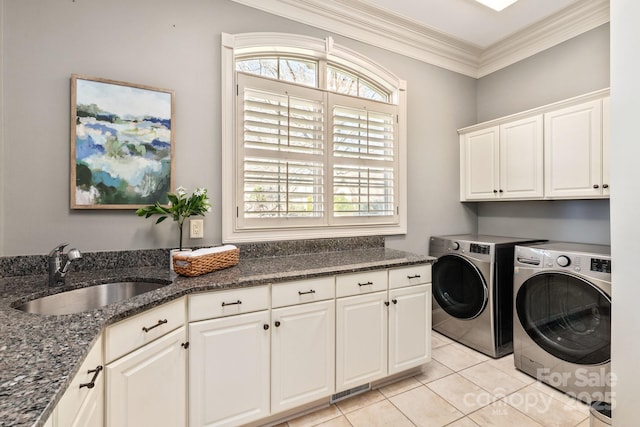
{"x":566,"y":24}
{"x":361,"y":21}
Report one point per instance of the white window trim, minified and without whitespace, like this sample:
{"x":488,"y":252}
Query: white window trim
{"x":255,"y":43}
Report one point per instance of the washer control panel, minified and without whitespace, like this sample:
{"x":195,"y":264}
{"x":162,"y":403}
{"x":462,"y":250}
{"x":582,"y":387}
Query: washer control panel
{"x":601,"y":265}
{"x":568,"y":261}
{"x":586,"y":263}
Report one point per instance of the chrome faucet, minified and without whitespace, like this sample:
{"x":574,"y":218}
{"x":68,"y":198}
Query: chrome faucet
{"x":56,"y":271}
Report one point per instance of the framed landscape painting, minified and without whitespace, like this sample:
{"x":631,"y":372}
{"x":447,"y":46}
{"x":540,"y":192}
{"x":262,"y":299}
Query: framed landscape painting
{"x":122,"y":144}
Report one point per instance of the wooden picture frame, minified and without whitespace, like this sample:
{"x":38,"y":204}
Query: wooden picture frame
{"x":122,"y":144}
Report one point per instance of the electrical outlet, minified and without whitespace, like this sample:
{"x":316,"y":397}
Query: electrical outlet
{"x":196,"y":228}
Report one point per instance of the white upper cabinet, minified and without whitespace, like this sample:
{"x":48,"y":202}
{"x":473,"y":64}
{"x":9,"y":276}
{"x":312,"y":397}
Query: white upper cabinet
{"x":558,"y":151}
{"x":573,"y":151}
{"x":606,"y":144}
{"x":479,"y":164}
{"x":503,"y":162}
{"x":521,"y":158}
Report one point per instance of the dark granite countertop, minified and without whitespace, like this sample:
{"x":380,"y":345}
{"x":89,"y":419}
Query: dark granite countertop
{"x":39,"y":355}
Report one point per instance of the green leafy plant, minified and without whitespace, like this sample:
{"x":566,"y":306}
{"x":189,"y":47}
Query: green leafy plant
{"x":180,"y":207}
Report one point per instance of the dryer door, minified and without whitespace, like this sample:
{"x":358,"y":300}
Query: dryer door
{"x":459,"y":287}
{"x":566,"y":316}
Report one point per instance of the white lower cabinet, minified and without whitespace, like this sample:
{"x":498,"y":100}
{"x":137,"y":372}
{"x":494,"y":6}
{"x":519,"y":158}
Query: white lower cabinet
{"x":361,"y":339}
{"x":146,"y":371}
{"x":253,"y":353}
{"x":229,"y":370}
{"x":409,"y":327}
{"x":147,"y":387}
{"x":302,"y":354}
{"x":82,"y":403}
{"x":385,"y":332}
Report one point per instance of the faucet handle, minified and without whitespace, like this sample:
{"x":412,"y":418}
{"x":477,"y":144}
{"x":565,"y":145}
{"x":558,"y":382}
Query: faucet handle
{"x":58,"y":249}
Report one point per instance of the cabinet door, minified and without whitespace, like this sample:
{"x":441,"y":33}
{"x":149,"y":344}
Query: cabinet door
{"x":303,"y":354}
{"x":573,"y":151}
{"x":229,"y":370}
{"x":82,"y":403}
{"x":479,"y":164}
{"x":409,"y":327}
{"x":521,"y":159}
{"x":361,"y":339}
{"x":148,"y":386}
{"x":606,"y":143}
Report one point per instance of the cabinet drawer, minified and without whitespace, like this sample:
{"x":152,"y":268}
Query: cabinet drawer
{"x":361,"y":283}
{"x":132,"y":333}
{"x":75,"y":396}
{"x":227,"y":303}
{"x":409,"y":276}
{"x":302,"y":291}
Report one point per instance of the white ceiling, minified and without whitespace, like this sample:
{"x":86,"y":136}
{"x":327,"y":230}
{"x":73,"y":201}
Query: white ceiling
{"x":459,"y":35}
{"x":472,"y":22}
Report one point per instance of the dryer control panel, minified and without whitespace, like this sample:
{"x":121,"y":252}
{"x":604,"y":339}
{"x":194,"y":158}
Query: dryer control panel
{"x":477,"y":248}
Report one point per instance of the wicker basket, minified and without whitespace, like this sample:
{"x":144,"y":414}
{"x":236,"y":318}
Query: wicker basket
{"x":197,"y":265}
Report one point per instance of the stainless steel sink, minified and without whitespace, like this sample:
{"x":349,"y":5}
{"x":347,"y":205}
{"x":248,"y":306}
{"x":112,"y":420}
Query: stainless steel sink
{"x":89,"y":298}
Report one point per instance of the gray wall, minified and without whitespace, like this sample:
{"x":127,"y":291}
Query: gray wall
{"x":575,"y":67}
{"x":176,"y":45}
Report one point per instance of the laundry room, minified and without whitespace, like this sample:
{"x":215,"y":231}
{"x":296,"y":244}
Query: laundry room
{"x":353,"y":158}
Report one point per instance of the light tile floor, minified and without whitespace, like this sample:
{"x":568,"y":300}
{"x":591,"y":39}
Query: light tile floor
{"x":458,"y":388}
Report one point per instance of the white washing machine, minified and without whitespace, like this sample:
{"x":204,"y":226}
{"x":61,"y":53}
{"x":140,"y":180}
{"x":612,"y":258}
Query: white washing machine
{"x":562,"y":317}
{"x":472,"y":286}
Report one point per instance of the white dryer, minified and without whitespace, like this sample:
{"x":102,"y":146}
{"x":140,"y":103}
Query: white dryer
{"x":562,"y":317}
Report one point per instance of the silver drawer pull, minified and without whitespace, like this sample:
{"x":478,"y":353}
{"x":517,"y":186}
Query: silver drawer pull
{"x":417,"y":276}
{"x":160,"y":322}
{"x":365,"y":284}
{"x":95,"y":372}
{"x":224,"y":304}
{"x":310,"y":291}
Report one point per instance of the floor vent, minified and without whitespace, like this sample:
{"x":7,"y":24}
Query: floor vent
{"x":351,"y":392}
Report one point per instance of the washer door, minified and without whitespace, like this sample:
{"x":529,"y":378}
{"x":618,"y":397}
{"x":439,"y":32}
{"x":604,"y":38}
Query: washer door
{"x":566,"y":316}
{"x":458,"y":287}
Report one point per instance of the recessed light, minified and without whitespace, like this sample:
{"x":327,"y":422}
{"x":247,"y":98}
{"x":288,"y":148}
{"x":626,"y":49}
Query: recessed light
{"x":497,"y":5}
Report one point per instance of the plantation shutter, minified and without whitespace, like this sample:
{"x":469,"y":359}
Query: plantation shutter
{"x":364,"y":160}
{"x":281,"y":160}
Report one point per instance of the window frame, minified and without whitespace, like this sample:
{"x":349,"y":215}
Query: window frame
{"x":253,"y":44}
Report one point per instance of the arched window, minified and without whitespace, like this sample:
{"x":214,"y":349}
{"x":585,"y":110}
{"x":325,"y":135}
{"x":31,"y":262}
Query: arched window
{"x":312,"y":147}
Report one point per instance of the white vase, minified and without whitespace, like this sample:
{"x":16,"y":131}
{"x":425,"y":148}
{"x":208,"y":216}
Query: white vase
{"x":173,"y":252}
